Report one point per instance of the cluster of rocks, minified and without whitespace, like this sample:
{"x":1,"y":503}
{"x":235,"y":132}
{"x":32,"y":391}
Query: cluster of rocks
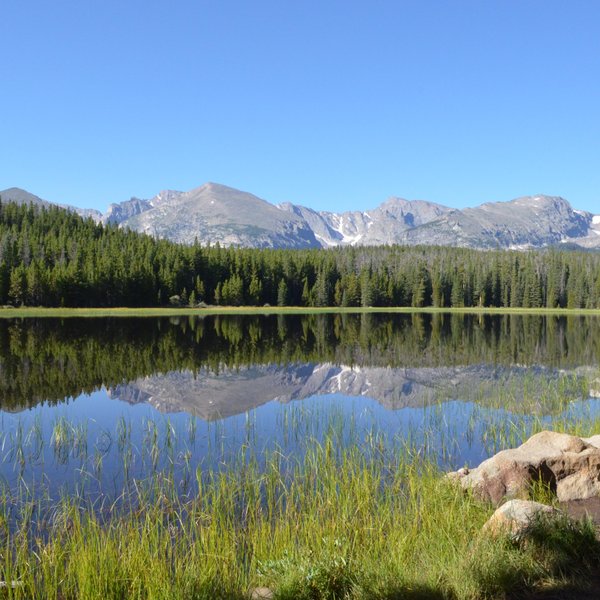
{"x":567,"y":465}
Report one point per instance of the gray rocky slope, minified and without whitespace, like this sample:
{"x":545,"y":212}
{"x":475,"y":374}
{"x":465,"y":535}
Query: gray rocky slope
{"x":24,"y":197}
{"x":216,"y":213}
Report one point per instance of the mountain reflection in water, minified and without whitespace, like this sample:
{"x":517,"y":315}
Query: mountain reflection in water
{"x":213,"y":396}
{"x":215,"y":367}
{"x":89,"y":406}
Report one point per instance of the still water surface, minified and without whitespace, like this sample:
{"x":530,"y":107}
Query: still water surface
{"x":95,"y":404}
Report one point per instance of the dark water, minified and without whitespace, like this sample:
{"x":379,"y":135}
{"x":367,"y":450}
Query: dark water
{"x":95,"y":404}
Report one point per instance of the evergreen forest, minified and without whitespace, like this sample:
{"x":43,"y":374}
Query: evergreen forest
{"x":54,"y":257}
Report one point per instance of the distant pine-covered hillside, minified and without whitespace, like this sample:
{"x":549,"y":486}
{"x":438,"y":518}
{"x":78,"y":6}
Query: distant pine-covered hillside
{"x":53,"y":257}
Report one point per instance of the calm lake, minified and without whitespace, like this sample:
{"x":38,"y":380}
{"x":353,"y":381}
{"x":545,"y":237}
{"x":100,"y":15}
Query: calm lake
{"x":91,"y":406}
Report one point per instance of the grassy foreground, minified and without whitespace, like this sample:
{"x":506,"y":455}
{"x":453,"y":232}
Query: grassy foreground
{"x":339,"y":523}
{"x":9,"y":313}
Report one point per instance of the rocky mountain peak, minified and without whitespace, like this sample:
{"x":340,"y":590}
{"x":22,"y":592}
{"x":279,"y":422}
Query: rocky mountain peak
{"x":214,"y":212}
{"x":165,"y":196}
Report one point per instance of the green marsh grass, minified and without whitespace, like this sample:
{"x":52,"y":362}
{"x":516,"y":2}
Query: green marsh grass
{"x":350,"y":516}
{"x":32,"y":311}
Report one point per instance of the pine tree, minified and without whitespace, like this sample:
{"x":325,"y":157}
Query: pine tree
{"x":282,"y":293}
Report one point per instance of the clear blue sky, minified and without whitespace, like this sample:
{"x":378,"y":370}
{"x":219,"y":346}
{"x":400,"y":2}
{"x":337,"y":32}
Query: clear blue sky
{"x":332,"y":104}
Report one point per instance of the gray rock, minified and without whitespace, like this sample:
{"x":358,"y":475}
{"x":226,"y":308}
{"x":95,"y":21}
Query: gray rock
{"x":261,"y":593}
{"x":118,"y":213}
{"x":516,"y":516}
{"x":457,"y":475}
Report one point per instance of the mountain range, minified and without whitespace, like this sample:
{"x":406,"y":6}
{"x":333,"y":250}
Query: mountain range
{"x":216,"y":213}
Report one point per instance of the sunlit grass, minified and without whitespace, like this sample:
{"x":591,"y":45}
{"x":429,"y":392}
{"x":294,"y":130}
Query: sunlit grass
{"x":22,"y":312}
{"x":352,"y":514}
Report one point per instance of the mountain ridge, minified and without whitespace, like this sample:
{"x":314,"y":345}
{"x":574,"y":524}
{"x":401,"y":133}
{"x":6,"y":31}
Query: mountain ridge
{"x":214,"y":213}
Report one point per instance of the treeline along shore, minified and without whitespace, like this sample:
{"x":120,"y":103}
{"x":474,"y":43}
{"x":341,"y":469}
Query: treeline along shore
{"x":53,"y":257}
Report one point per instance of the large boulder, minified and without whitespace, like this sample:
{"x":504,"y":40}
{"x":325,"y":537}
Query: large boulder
{"x":262,"y":593}
{"x":515,"y":517}
{"x":569,"y":465}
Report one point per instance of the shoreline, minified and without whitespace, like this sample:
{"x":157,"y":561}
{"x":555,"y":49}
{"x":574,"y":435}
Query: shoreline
{"x":30,"y":312}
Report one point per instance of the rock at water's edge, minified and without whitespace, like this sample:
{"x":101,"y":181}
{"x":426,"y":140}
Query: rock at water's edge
{"x":569,"y":465}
